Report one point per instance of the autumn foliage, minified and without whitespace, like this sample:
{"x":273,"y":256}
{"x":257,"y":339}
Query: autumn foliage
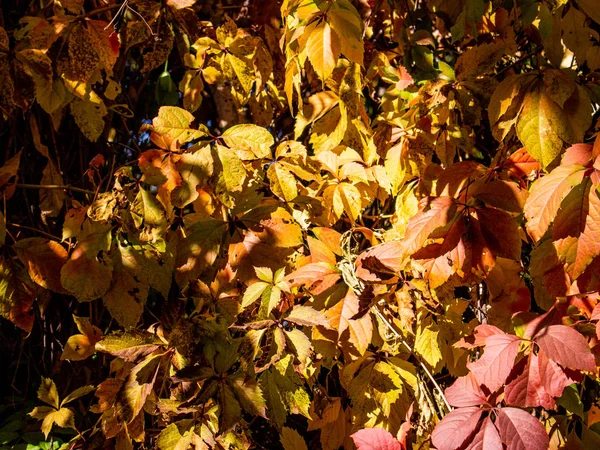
{"x":300,"y":224}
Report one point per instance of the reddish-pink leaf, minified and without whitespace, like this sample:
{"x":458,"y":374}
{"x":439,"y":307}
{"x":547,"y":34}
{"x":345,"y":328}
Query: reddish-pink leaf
{"x":375,"y":439}
{"x":385,"y":257}
{"x":492,"y":369}
{"x":482,"y":332}
{"x":553,"y":377}
{"x":519,"y":430}
{"x":487,"y":438}
{"x":455,"y":428}
{"x":528,"y":388}
{"x":405,"y":427}
{"x":567,"y":347}
{"x":465,"y":391}
{"x":578,"y":154}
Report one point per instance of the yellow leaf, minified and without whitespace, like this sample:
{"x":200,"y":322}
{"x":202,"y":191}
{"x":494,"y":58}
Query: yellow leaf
{"x":317,"y":106}
{"x":126,"y":298}
{"x":283,"y":183}
{"x":427,"y":345}
{"x":44,"y":259}
{"x":251,"y":138}
{"x":323,"y":49}
{"x":48,"y":393}
{"x":176,"y":123}
{"x":234,"y":172}
{"x":346,"y":198}
{"x":347,"y":23}
{"x":89,"y":117}
{"x":192,"y":87}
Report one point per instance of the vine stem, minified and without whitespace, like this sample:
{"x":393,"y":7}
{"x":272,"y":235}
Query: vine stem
{"x":25,"y":227}
{"x":381,"y":317}
{"x":55,"y":186}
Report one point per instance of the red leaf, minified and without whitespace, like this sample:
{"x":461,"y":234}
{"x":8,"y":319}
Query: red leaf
{"x":554,"y":378}
{"x":520,"y":164}
{"x":487,"y":438}
{"x":492,"y":369}
{"x":519,"y":430}
{"x":567,"y":347}
{"x":455,"y":428}
{"x":375,"y":439}
{"x":528,"y":388}
{"x":465,"y":391}
{"x":482,"y":332}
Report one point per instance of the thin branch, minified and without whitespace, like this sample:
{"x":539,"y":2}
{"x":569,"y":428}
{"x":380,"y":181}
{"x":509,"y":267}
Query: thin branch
{"x":55,"y":186}
{"x":25,"y":227}
{"x":381,"y":317}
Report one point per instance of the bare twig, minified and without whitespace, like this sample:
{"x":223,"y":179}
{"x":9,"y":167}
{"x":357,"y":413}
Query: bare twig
{"x":55,"y":186}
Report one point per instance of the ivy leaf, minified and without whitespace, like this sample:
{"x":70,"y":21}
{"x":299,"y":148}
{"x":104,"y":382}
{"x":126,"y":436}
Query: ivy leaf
{"x":82,"y":346}
{"x":89,"y":117}
{"x":231,"y":412}
{"x":17,"y":294}
{"x":199,"y":249}
{"x":126,"y":298}
{"x":347,"y":23}
{"x":576,"y":233}
{"x":465,"y":391}
{"x":519,"y":430}
{"x":375,"y":439}
{"x":251,"y":138}
{"x":129,"y":345}
{"x":48,"y":393}
{"x":307,"y":316}
{"x":493,"y":368}
{"x":455,"y":428}
{"x":175,"y":123}
{"x":62,"y":417}
{"x":567,"y":347}
{"x":44,"y":260}
{"x":340,"y":318}
{"x":146,"y":210}
{"x":527,"y":390}
{"x":323,"y":48}
{"x":77,"y":393}
{"x":487,"y":437}
{"x":547,"y":194}
{"x":292,"y":440}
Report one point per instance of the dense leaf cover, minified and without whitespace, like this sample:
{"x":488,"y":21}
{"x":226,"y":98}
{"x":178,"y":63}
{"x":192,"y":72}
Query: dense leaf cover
{"x":299,"y":224}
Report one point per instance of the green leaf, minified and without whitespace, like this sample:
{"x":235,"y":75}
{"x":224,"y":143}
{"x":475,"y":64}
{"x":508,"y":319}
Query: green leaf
{"x":146,"y":210}
{"x":571,"y":401}
{"x":129,"y":345}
